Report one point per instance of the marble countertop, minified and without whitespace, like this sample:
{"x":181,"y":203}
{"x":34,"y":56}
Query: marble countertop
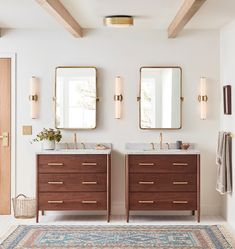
{"x":73,"y":152}
{"x":82,"y":149}
{"x":146,"y":149}
{"x":162,"y":152}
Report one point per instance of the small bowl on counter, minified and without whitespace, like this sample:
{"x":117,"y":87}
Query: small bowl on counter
{"x":185,"y":146}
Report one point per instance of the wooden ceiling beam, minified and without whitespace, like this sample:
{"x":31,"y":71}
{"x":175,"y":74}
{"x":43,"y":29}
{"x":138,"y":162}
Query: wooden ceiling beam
{"x":56,"y":9}
{"x":184,"y":15}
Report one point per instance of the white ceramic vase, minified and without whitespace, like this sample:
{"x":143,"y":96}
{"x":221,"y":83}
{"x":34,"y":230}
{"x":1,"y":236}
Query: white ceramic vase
{"x":48,"y":144}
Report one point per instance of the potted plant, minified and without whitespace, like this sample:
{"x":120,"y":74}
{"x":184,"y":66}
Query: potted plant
{"x":48,"y":137}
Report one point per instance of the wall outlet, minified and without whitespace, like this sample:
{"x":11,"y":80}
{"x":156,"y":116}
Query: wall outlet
{"x":27,"y":129}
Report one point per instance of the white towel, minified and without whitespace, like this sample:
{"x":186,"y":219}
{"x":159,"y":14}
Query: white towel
{"x":224,"y":163}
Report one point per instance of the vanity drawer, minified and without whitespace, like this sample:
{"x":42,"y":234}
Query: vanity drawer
{"x":162,"y":163}
{"x":163,"y":201}
{"x":73,"y":201}
{"x":72,"y":182}
{"x":72,"y":163}
{"x":163,"y":182}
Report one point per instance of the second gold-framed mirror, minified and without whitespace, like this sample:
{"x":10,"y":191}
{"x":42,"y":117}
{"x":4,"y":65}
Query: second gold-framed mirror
{"x":160,"y":102}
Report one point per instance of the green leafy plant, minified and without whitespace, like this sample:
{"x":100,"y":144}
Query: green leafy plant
{"x":48,"y":134}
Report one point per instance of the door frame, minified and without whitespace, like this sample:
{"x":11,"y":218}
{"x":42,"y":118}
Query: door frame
{"x":13,"y":142}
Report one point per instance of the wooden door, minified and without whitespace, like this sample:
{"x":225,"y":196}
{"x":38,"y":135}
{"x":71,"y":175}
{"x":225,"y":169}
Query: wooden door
{"x":5,"y":128}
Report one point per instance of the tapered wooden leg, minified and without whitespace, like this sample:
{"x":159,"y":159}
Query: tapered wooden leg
{"x":127,"y":216}
{"x":198,"y":215}
{"x":37,"y":217}
{"x":108,"y":216}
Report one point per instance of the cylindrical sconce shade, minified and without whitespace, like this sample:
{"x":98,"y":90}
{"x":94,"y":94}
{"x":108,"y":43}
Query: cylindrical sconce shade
{"x":118,"y":97}
{"x":203,"y":98}
{"x":33,"y":97}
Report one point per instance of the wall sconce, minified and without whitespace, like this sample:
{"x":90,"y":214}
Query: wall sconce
{"x":203,"y":98}
{"x":33,"y":97}
{"x":118,"y":97}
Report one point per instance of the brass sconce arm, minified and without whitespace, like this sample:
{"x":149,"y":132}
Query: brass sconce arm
{"x":202,"y":98}
{"x":118,"y":97}
{"x":33,"y":97}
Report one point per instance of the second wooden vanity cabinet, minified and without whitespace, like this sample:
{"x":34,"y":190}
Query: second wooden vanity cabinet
{"x":162,"y":182}
{"x":73,"y":182}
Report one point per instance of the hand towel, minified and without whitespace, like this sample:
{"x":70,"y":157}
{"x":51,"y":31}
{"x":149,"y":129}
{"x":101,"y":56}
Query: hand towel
{"x":224,"y":163}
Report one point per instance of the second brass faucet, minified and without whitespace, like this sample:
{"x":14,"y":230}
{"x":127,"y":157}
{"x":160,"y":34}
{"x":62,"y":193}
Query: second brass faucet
{"x":161,"y":141}
{"x":75,"y":141}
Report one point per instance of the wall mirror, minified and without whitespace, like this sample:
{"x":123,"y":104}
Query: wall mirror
{"x":160,"y":97}
{"x":75,"y":98}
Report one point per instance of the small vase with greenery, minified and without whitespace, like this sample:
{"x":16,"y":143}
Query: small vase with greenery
{"x":48,"y":137}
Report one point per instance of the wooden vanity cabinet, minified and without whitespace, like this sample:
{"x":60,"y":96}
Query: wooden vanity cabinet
{"x":73,"y":182}
{"x":162,"y":182}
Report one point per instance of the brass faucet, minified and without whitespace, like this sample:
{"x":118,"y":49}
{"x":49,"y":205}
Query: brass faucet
{"x":161,"y":140}
{"x":168,"y":146}
{"x":66,"y":146}
{"x":75,"y":141}
{"x":152,"y":146}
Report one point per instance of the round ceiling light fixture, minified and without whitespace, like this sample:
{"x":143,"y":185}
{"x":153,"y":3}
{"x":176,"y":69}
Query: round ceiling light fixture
{"x":118,"y":21}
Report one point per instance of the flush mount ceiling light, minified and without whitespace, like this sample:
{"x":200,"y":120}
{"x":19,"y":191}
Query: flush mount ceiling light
{"x":118,"y":21}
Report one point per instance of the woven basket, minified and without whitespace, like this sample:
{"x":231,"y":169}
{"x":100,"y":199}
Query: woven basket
{"x":24,"y":207}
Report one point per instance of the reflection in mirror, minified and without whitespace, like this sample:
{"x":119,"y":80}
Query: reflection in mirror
{"x":75,"y":97}
{"x":160,"y":98}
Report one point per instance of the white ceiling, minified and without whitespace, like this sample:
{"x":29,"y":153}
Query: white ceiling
{"x":154,"y":14}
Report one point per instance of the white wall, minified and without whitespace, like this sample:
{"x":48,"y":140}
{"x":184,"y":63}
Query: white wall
{"x":119,"y":52}
{"x":227,"y":65}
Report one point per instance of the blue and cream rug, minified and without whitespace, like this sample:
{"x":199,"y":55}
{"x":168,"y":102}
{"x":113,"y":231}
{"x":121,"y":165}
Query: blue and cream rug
{"x":110,"y":237}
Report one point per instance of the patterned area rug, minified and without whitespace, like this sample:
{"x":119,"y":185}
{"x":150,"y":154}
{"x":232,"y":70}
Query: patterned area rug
{"x":164,"y":237}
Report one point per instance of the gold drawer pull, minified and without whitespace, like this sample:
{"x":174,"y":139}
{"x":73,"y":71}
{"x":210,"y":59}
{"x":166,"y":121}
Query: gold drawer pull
{"x":146,"y":164}
{"x":55,"y":183}
{"x":89,"y":164}
{"x":55,"y":164}
{"x":89,"y":183}
{"x":146,"y":202}
{"x":146,"y":183}
{"x":89,"y":202}
{"x":180,"y":202}
{"x":180,"y":164}
{"x":55,"y":202}
{"x":180,"y":183}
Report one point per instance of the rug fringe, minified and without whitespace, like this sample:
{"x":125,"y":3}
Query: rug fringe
{"x":9,"y":231}
{"x":228,"y":234}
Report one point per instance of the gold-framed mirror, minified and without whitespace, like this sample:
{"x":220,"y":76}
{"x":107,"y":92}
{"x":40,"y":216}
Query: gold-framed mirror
{"x":75,"y":97}
{"x":160,"y":98}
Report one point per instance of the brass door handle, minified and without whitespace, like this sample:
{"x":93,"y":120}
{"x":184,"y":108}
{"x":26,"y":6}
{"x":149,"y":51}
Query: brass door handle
{"x":146,"y":202}
{"x":146,"y":183}
{"x":89,"y":202}
{"x":89,"y":183}
{"x":55,"y":183}
{"x":5,"y":139}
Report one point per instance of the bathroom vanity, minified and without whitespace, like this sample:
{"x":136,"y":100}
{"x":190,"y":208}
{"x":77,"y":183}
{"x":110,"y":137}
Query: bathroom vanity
{"x":73,"y":180}
{"x":166,"y":180}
